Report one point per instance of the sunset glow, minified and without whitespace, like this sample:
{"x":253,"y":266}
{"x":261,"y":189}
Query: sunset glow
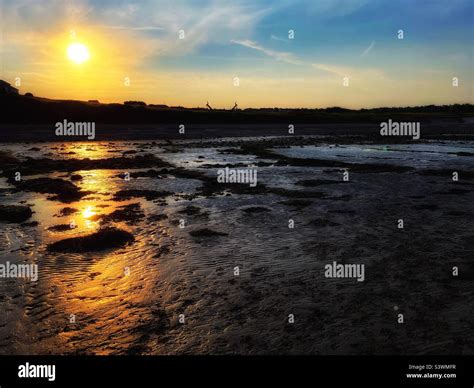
{"x":136,"y":51}
{"x":78,"y":53}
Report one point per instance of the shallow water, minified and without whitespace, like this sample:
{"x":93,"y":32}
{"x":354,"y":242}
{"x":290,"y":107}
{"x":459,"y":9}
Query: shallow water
{"x":413,"y":155}
{"x":130,"y":300}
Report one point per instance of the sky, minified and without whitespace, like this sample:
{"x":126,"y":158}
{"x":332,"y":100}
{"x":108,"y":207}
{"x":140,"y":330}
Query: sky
{"x":258,"y":53}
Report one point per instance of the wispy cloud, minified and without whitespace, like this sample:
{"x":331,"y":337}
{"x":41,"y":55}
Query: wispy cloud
{"x":274,"y":37}
{"x":292,"y":59}
{"x":368,"y":49}
{"x":278,"y":55}
{"x":335,"y":70}
{"x":143,"y":28}
{"x":141,"y":39}
{"x":216,"y":23}
{"x":203,"y":22}
{"x":366,"y":73}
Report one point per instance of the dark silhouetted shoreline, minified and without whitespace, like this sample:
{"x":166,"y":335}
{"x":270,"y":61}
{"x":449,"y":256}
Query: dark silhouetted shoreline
{"x":26,"y":118}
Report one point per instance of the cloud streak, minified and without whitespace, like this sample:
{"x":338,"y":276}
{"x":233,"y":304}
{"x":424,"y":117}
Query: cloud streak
{"x":334,"y":70}
{"x":143,"y":28}
{"x":368,"y":49}
{"x":278,"y":55}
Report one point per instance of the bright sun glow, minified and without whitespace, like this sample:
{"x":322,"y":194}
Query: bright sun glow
{"x":78,"y":53}
{"x":88,"y":212}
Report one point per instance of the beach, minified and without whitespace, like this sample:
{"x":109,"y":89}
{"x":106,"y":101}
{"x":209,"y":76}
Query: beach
{"x":193,"y":266}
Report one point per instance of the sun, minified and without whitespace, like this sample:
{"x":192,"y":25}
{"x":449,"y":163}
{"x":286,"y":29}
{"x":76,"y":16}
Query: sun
{"x":78,"y":53}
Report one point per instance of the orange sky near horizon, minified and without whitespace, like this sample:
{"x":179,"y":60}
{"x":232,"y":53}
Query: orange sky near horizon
{"x":131,"y":64}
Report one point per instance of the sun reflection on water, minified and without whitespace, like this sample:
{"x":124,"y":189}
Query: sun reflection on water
{"x":90,"y":150}
{"x":88,"y":212}
{"x":110,"y":293}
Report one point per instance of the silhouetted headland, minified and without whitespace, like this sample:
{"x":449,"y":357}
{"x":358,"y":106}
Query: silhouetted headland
{"x":30,"y":118}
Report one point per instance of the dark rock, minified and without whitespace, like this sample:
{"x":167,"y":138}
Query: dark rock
{"x":45,"y":165}
{"x":123,"y":195}
{"x":103,"y":239}
{"x":61,"y":228}
{"x":8,"y":160}
{"x":64,"y":191}
{"x":76,"y":177}
{"x":14,"y":213}
{"x":190,"y":210}
{"x":30,"y":224}
{"x":67,"y":211}
{"x":127,"y":213}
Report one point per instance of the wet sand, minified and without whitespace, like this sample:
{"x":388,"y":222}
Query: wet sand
{"x":359,"y":131}
{"x":130,"y":298}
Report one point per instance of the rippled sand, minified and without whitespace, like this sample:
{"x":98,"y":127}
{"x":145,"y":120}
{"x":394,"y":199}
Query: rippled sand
{"x":129,"y":300}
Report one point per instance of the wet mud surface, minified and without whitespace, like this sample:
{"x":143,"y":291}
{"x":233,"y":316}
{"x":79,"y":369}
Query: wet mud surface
{"x":132,"y":238}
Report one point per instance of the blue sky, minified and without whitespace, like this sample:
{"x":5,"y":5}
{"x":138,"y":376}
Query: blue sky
{"x":333,"y":39}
